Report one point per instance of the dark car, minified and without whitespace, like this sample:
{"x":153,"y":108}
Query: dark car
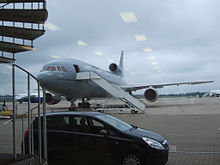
{"x":98,"y":138}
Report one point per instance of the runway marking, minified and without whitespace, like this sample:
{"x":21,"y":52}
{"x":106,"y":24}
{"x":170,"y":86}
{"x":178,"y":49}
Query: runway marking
{"x":190,"y":152}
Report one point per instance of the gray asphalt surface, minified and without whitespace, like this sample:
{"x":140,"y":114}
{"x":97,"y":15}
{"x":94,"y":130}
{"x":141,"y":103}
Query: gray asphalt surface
{"x":190,"y":125}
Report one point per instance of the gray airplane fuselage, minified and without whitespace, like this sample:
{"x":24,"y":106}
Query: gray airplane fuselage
{"x":62,"y":80}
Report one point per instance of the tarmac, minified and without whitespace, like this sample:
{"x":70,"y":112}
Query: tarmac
{"x":190,"y":125}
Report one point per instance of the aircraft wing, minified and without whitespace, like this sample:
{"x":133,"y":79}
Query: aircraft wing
{"x":138,"y":87}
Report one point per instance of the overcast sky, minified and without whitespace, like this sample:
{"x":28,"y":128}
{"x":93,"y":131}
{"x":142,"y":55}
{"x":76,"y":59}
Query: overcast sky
{"x":164,"y":41}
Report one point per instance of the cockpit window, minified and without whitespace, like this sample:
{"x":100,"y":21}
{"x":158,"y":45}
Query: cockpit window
{"x":43,"y":69}
{"x":51,"y":68}
{"x":63,"y":68}
{"x":59,"y":68}
{"x":54,"y":68}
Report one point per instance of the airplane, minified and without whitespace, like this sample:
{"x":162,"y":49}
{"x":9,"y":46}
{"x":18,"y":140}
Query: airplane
{"x":212,"y":93}
{"x":59,"y":78}
{"x":24,"y":98}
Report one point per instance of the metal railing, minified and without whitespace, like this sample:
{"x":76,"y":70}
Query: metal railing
{"x":30,"y":119}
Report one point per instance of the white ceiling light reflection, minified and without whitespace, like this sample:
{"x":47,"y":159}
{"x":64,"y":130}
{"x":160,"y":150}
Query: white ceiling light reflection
{"x":147,"y":50}
{"x":140,"y":37}
{"x":128,"y":17}
{"x":99,"y":53}
{"x":81,"y":43}
{"x":57,"y":57}
{"x":154,"y":63}
{"x":51,"y":26}
{"x":151,"y":57}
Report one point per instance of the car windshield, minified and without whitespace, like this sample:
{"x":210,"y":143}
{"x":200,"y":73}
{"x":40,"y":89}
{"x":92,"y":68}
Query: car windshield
{"x":116,"y":123}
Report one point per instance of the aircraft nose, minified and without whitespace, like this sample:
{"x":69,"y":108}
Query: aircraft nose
{"x":41,"y":79}
{"x":39,"y":76}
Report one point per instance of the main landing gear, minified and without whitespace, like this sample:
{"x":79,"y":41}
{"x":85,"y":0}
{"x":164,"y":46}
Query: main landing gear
{"x":83,"y":104}
{"x":73,"y":105}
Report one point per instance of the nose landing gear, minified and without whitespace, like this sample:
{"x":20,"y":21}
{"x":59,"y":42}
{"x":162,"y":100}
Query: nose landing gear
{"x":84,"y":104}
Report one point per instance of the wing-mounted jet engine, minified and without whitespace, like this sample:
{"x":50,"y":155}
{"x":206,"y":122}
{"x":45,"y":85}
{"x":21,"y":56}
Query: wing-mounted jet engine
{"x":52,"y":99}
{"x":151,"y":94}
{"x":114,"y":68}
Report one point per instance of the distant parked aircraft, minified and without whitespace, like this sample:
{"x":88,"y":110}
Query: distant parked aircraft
{"x":24,"y":98}
{"x":59,"y":78}
{"x":213,"y":93}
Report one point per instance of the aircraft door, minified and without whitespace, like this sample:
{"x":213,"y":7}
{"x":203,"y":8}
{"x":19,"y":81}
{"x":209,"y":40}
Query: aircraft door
{"x":77,"y":69}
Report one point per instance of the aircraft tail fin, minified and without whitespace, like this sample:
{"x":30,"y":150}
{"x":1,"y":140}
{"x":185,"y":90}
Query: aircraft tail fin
{"x":121,"y":62}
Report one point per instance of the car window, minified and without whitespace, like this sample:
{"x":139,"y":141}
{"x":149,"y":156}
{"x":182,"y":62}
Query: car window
{"x":57,"y":123}
{"x":114,"y":122}
{"x":96,"y":126}
{"x":78,"y":123}
{"x":66,"y":119}
{"x":97,"y":123}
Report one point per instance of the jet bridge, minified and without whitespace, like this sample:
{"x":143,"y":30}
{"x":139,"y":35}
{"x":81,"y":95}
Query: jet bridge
{"x":114,"y":90}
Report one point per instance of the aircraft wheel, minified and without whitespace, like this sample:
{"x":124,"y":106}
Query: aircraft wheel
{"x":133,"y":112}
{"x":72,"y":109}
{"x":101,"y":111}
{"x":87,"y":105}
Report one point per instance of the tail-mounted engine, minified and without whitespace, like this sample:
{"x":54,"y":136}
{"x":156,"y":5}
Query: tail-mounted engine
{"x":52,"y":99}
{"x":114,"y":68}
{"x":150,"y":94}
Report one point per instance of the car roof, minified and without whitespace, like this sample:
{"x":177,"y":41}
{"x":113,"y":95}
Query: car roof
{"x":91,"y":114}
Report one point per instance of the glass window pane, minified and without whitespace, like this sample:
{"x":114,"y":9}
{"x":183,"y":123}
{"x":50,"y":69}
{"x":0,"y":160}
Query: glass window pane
{"x":63,"y":68}
{"x":59,"y":68}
